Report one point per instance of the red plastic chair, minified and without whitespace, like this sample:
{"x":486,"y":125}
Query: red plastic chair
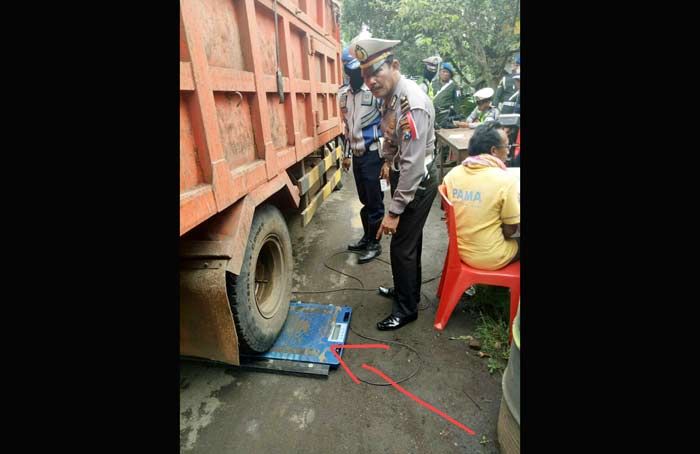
{"x":457,"y":276}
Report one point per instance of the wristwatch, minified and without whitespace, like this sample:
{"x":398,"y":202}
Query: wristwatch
{"x":393,"y":215}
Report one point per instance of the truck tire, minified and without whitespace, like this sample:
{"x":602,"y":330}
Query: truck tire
{"x":259,"y":295}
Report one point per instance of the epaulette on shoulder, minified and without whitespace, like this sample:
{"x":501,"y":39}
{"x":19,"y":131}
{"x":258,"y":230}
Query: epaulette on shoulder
{"x":407,"y":124}
{"x":405,"y":106}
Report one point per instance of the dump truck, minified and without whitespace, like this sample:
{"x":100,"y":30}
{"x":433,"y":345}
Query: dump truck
{"x":260,"y":137}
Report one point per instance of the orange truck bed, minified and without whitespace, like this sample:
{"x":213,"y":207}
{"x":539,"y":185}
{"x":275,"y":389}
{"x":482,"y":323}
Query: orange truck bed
{"x":240,"y":147}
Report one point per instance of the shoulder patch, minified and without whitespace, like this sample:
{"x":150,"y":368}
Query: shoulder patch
{"x":407,"y":125}
{"x":405,"y":106}
{"x":366,"y":98}
{"x":392,"y":103}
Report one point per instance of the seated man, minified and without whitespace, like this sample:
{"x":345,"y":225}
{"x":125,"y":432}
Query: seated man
{"x":486,"y":201}
{"x":483,"y":112}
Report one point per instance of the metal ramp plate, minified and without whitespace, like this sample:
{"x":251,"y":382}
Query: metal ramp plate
{"x":303,"y":346}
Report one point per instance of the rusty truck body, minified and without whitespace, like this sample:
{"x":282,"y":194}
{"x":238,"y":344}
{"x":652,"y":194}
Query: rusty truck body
{"x":260,"y":134}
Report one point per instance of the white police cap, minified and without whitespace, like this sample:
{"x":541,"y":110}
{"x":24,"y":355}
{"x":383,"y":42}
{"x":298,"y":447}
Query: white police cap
{"x":370,"y":51}
{"x":432,"y":62}
{"x":484,"y":93}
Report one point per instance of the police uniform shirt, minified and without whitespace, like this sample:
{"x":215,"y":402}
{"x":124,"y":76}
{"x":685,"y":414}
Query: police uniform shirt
{"x":409,"y":140}
{"x":427,"y":86}
{"x":445,"y":98}
{"x":445,"y":89}
{"x":506,"y":88}
{"x":362,"y":117}
{"x":489,"y":114}
{"x":515,"y":99}
{"x":436,"y":84}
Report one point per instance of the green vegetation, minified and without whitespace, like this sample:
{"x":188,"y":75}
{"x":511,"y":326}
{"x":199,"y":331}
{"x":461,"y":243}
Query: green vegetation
{"x":477,"y":36}
{"x":491,"y":306}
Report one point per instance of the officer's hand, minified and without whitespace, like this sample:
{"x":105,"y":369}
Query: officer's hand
{"x":389,"y":226}
{"x":384,"y":173}
{"x":346,"y":164}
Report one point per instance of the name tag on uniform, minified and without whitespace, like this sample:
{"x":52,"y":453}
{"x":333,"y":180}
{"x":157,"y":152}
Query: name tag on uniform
{"x":367,"y":98}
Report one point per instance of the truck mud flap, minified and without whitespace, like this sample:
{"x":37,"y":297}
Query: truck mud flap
{"x":206,"y":323}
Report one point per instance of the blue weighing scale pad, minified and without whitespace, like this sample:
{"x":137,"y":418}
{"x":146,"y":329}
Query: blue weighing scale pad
{"x":304,"y":343}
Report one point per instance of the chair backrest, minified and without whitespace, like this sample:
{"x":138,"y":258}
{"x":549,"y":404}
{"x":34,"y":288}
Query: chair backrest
{"x":453,"y":258}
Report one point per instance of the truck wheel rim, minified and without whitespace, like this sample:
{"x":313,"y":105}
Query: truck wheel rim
{"x":268,"y":276}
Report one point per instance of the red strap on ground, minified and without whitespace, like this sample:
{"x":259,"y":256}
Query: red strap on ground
{"x":388,"y":379}
{"x":334,"y":350}
{"x":418,"y":399}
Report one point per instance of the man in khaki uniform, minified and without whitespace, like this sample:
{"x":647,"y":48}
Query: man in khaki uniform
{"x":409,"y":161}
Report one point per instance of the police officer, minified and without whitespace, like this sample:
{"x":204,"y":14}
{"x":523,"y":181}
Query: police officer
{"x":445,"y":95}
{"x":483,"y":111}
{"x":408,"y":151}
{"x":516,"y":97}
{"x":361,"y":118}
{"x":506,"y":88}
{"x":515,"y":132}
{"x":431,"y":67}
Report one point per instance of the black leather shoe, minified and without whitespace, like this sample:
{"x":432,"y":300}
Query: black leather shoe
{"x":386,"y":292}
{"x":374,"y":250}
{"x":395,"y":322}
{"x":359,"y":246}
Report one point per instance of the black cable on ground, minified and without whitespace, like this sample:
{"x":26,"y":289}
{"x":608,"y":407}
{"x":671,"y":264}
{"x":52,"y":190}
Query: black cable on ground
{"x":363,"y":289}
{"x":420,"y":359}
{"x":335,"y":290}
{"x":379,"y":259}
{"x":338,"y":271}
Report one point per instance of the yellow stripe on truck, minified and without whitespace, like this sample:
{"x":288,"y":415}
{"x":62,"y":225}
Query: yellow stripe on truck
{"x":322,"y":195}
